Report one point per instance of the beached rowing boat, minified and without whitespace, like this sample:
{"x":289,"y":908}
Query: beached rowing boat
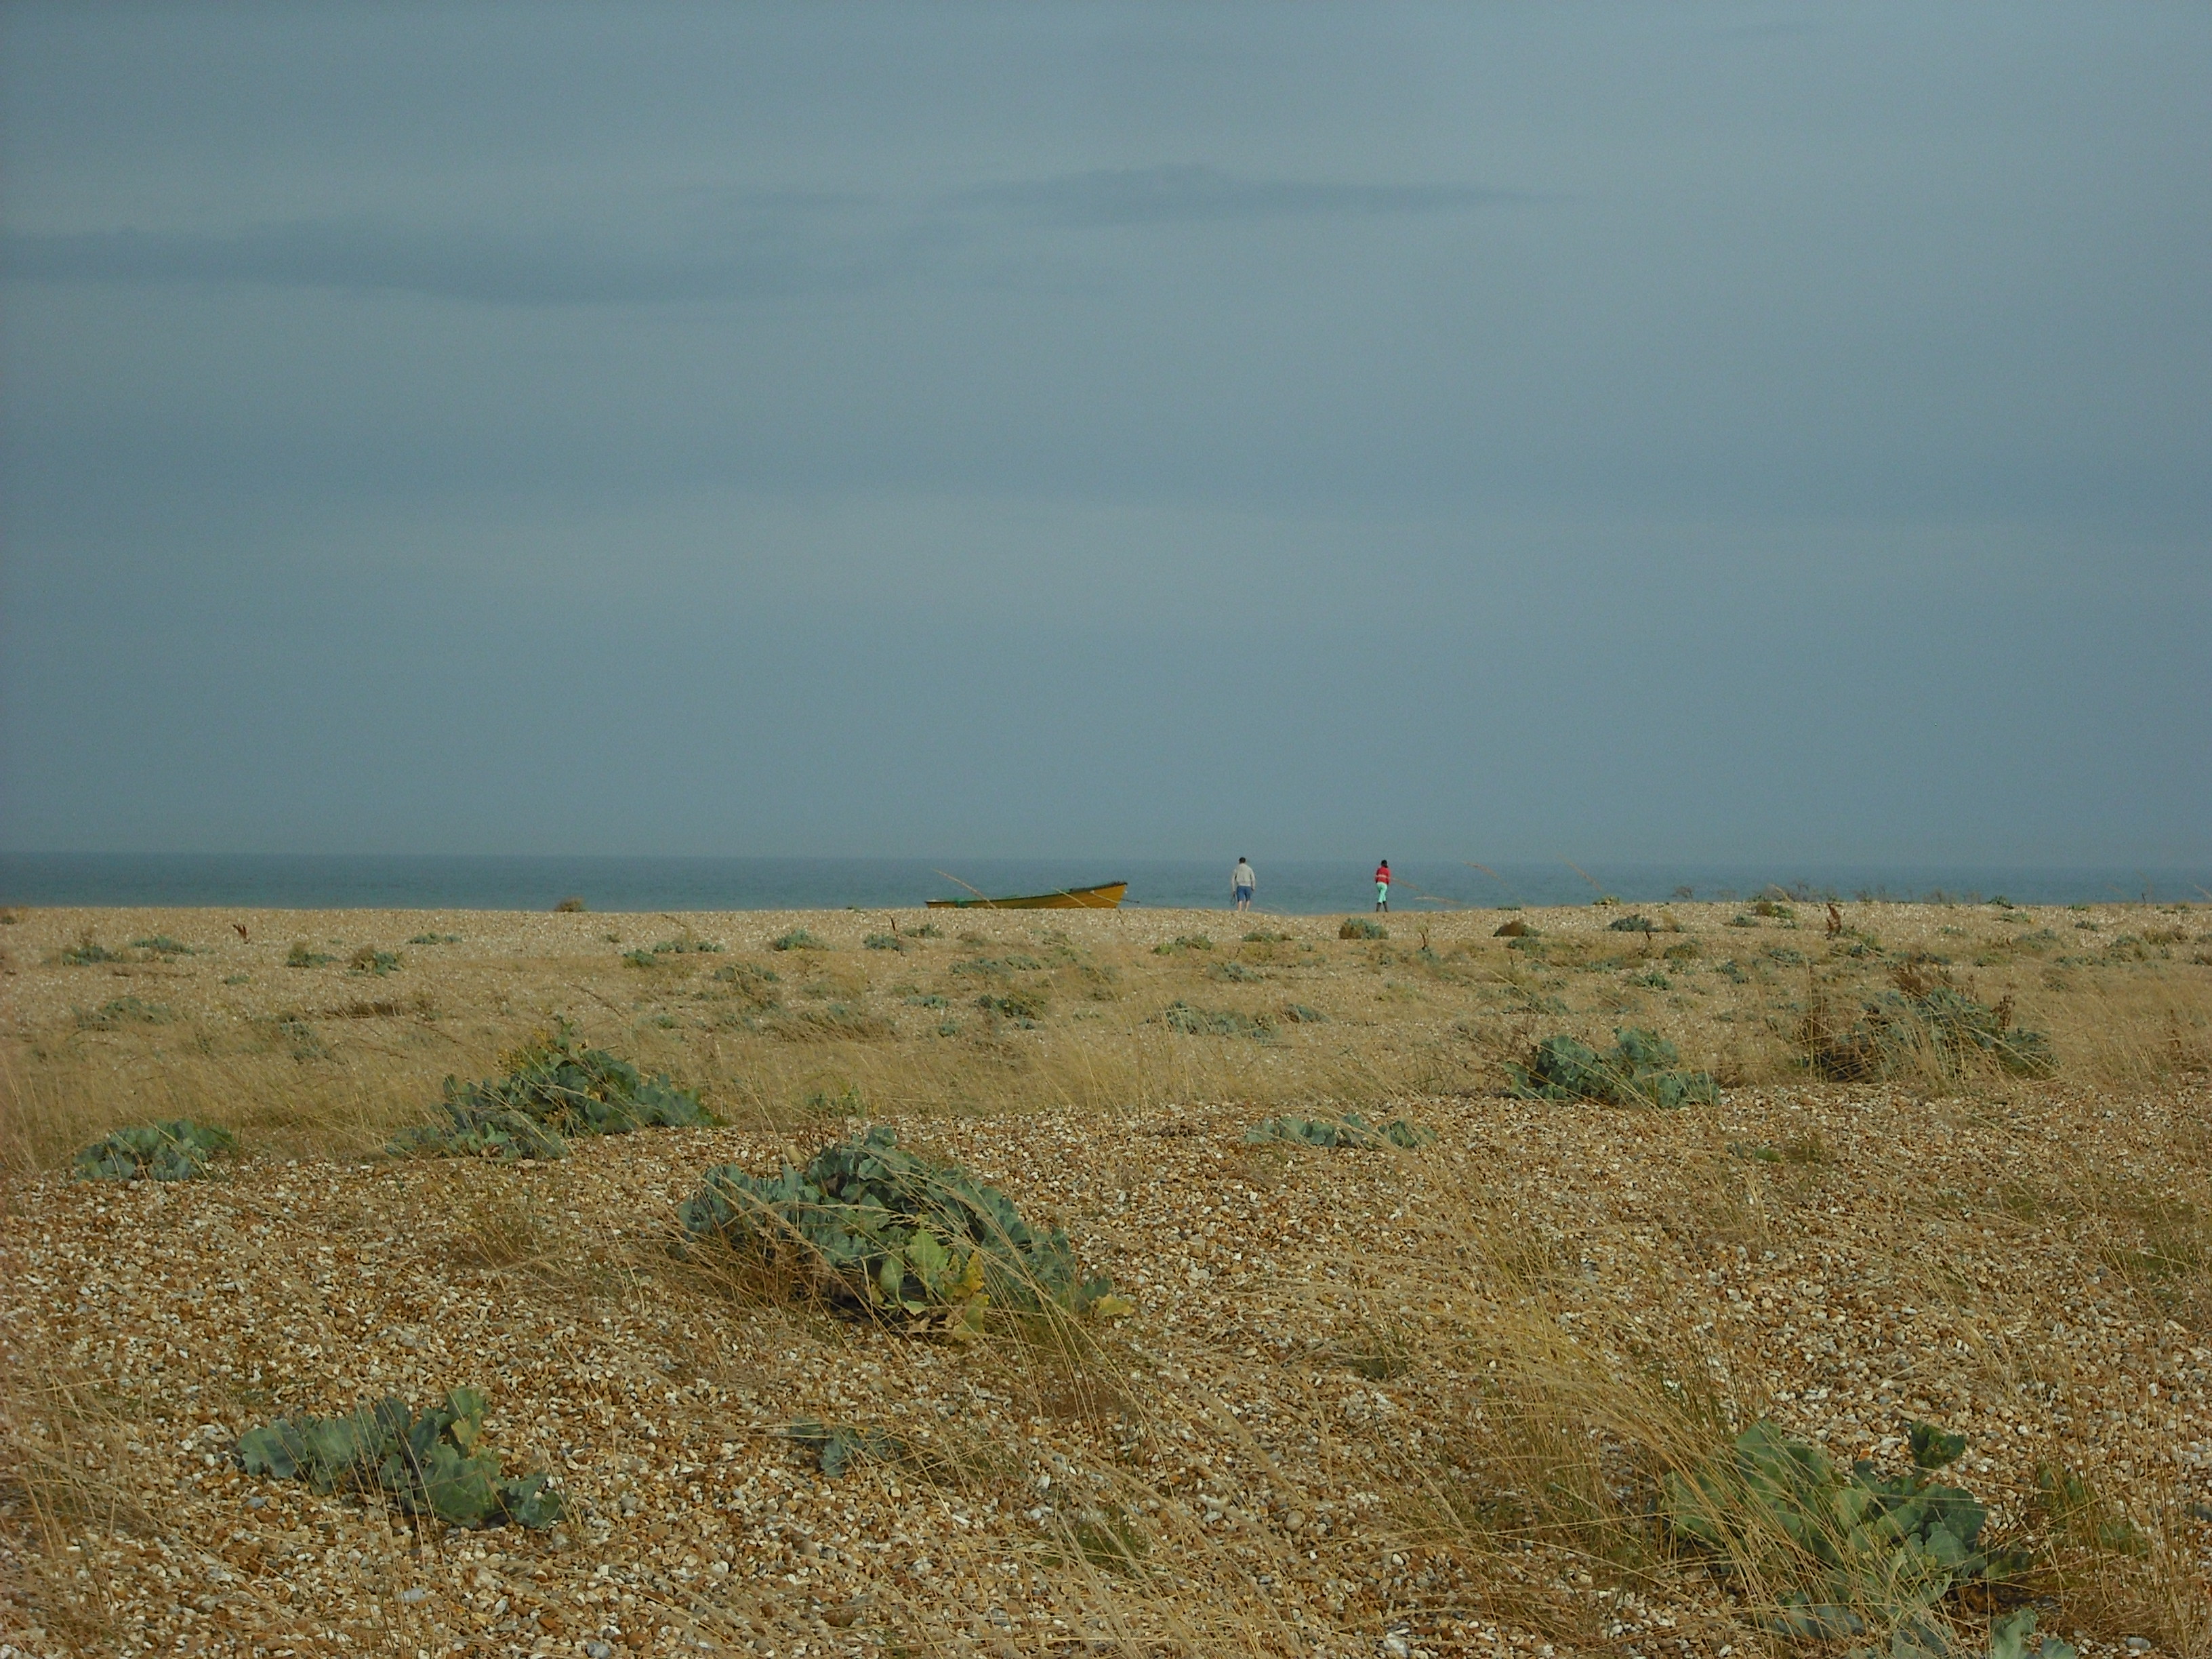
{"x":1105,"y":897}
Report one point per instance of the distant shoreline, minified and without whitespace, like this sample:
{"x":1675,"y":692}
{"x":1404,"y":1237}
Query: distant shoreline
{"x":1288,"y":887}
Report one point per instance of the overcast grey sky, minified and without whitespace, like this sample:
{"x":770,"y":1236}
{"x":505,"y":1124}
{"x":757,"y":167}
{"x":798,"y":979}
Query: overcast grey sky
{"x":1639,"y":432}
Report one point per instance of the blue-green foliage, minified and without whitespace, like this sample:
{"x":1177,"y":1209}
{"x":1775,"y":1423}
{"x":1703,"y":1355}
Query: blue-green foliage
{"x":1351,"y":1130}
{"x":837,"y":1446}
{"x":177,"y":1150}
{"x":1848,"y":1553}
{"x":1934,"y":1019}
{"x":1640,"y":1069}
{"x":888,"y":1231}
{"x":162,"y":945}
{"x":554,"y":1087}
{"x":121,"y":1011}
{"x":427,"y":1465}
{"x":1180,"y":1016}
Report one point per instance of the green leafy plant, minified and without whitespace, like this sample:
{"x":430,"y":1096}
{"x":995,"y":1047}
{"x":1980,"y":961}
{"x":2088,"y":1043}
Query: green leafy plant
{"x":1841,"y":1555}
{"x":2078,"y":1512}
{"x":1180,"y":1016}
{"x":1927,"y":1018}
{"x":302,"y":955}
{"x":1015,"y":1004}
{"x":1360,"y":927}
{"x":878,"y":1229}
{"x":837,"y":1446}
{"x":1182,"y":942}
{"x":162,"y":945}
{"x":370,"y":960}
{"x":1351,"y":1130}
{"x":797,"y":939}
{"x":434,"y":1464}
{"x":121,"y":1011}
{"x":1631,"y":924}
{"x":1640,"y":1069}
{"x":553,"y":1086}
{"x":85,"y":952}
{"x":177,"y":1150}
{"x":882,"y":942}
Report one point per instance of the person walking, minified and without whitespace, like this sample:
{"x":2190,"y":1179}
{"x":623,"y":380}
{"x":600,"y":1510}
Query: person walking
{"x":1382,"y":885}
{"x":1242,"y":881}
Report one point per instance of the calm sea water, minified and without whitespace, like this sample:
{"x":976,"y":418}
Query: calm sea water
{"x":1294,"y":887}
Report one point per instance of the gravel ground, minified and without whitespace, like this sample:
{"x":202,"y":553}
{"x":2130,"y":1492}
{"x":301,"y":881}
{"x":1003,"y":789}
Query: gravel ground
{"x":1272,"y":1434}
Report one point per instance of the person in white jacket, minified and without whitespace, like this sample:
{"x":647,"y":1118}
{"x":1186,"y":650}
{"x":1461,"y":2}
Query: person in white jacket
{"x":1242,"y":881}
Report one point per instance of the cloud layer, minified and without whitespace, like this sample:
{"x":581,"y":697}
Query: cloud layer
{"x":1683,"y":432}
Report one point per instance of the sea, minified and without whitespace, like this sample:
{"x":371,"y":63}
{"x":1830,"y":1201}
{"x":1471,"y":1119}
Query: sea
{"x":1289,"y":887}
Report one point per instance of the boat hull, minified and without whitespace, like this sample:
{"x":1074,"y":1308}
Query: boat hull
{"x":1105,"y":897}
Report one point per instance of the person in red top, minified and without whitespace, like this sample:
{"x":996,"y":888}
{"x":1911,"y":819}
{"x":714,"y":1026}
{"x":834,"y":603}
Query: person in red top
{"x":1382,"y":885}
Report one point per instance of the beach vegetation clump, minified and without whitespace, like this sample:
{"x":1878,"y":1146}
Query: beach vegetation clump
{"x":121,"y":1011}
{"x":1927,"y":1020}
{"x":1351,"y":1130}
{"x":1841,"y":1555}
{"x":1640,"y":1069}
{"x":877,"y":1228}
{"x":86,"y":952}
{"x":1182,"y":942}
{"x":162,"y":945}
{"x":1180,"y":1016}
{"x":553,"y":1086}
{"x":838,"y":1446}
{"x":303,"y":955}
{"x":434,"y":1464}
{"x":435,"y":938}
{"x":797,"y":939}
{"x":177,"y":1150}
{"x":882,"y":942}
{"x":370,"y":960}
{"x":1361,"y":928}
{"x":1631,"y":923}
{"x":1025,"y":1006}
{"x":571,"y":905}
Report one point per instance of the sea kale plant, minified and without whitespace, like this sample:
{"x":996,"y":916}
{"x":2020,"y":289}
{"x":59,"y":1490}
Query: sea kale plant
{"x":1351,"y":1130}
{"x":1926,"y":1018}
{"x":877,"y":1229}
{"x":177,"y":1150}
{"x":1833,"y":1556}
{"x":1640,"y":1069}
{"x":434,"y":1464}
{"x":552,"y":1087}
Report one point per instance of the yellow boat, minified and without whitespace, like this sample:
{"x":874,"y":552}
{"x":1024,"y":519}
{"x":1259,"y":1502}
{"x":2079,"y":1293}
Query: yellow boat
{"x":1105,"y":897}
